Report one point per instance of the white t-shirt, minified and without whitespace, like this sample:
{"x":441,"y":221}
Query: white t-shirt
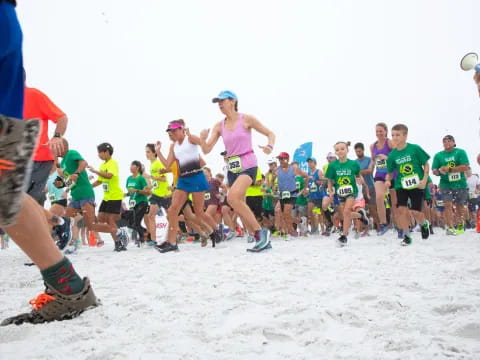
{"x":473,"y":182}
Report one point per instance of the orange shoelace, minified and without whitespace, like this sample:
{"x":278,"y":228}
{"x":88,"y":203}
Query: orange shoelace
{"x":40,"y":301}
{"x":6,"y":165}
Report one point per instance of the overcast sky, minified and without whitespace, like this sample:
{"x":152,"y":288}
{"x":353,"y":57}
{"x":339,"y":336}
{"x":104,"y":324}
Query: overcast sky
{"x":318,"y":71}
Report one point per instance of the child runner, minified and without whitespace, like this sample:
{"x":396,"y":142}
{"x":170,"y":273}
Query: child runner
{"x":341,"y":175}
{"x":411,"y":162}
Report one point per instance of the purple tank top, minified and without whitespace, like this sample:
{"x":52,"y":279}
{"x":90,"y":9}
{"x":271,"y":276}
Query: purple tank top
{"x":238,"y":142}
{"x":380,"y":164}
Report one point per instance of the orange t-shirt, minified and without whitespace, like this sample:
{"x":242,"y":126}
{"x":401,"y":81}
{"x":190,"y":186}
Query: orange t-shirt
{"x":37,"y":105}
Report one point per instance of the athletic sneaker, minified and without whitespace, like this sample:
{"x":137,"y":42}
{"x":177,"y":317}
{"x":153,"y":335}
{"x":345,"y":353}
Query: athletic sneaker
{"x":53,"y":305}
{"x":160,"y":246}
{"x":259,"y":249}
{"x":407,"y":240}
{"x":119,"y":247}
{"x":204,"y":239}
{"x":425,"y":229}
{"x":151,"y":243}
{"x":263,"y":243}
{"x":342,"y":240}
{"x":123,"y":236}
{"x":363,"y":214}
{"x":250,"y":239}
{"x":167,"y":248}
{"x":451,"y":231}
{"x":431,"y":229}
{"x":459,"y":229}
{"x":231,"y":235}
{"x":383,"y":229}
{"x":17,"y":142}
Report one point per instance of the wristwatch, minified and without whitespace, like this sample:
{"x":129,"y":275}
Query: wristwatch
{"x":57,"y":135}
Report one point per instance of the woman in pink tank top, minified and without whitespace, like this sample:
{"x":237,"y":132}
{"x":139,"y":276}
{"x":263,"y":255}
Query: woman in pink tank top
{"x":236,"y":132}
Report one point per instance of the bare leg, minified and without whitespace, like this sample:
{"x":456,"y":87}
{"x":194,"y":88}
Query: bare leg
{"x":31,"y":234}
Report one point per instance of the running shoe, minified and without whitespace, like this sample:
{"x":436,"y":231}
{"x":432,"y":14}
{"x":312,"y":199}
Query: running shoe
{"x":204,"y":239}
{"x":451,"y":231}
{"x":459,"y":229}
{"x":407,"y":240}
{"x":383,"y":229}
{"x":123,"y":236}
{"x":151,"y":243}
{"x":160,"y":246}
{"x":17,"y":143}
{"x":425,"y":229}
{"x":431,"y":229}
{"x":363,"y":214}
{"x":168,"y":248}
{"x":231,"y":235}
{"x":263,"y":243}
{"x":250,"y":239}
{"x":342,"y":240}
{"x":53,"y":305}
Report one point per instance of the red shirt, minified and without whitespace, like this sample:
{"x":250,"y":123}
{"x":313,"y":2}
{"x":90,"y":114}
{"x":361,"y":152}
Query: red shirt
{"x":37,"y":105}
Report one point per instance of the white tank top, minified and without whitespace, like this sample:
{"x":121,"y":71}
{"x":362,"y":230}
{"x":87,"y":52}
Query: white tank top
{"x":188,"y":158}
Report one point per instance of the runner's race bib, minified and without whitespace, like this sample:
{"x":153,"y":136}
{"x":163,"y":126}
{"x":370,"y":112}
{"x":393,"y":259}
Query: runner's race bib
{"x":105,"y":187}
{"x":51,"y":197}
{"x":155,"y":184}
{"x":132,"y":203}
{"x":285,"y":195}
{"x":207,"y":196}
{"x":235,"y":164}
{"x":345,"y":190}
{"x":439,"y":203}
{"x":313,"y":187}
{"x":452,"y":177}
{"x":381,"y":163}
{"x":297,"y":185}
{"x":410,"y":182}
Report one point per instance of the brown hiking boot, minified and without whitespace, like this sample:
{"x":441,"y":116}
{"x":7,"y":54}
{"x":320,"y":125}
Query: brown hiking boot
{"x":53,"y":305}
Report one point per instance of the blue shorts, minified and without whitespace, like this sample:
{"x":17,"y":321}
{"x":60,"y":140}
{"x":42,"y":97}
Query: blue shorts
{"x":77,"y":204}
{"x":11,"y":63}
{"x":252,"y":172}
{"x":318,"y":195}
{"x":193,"y":184}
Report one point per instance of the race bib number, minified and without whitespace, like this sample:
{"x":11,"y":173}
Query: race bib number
{"x":235,"y":164}
{"x":345,"y":190}
{"x":313,"y":187}
{"x":410,"y":182}
{"x":51,"y":197}
{"x":439,"y":203}
{"x":285,"y":194}
{"x":381,"y":163}
{"x":452,"y":177}
{"x":132,"y":203}
{"x":105,"y":187}
{"x":297,"y":185}
{"x":155,"y":184}
{"x":207,"y":196}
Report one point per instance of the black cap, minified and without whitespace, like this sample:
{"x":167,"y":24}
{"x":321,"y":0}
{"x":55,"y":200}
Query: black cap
{"x":449,"y":137}
{"x":223,"y":153}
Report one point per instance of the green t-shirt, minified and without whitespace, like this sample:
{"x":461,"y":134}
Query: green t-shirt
{"x":409,"y":163}
{"x":138,"y":183}
{"x":111,"y":187}
{"x":267,"y":203}
{"x":343,"y":175}
{"x":456,"y":157}
{"x":302,"y":200}
{"x":82,"y":188}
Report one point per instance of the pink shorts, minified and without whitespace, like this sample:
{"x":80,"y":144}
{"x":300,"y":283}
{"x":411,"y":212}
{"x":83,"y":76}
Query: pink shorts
{"x":359,"y":204}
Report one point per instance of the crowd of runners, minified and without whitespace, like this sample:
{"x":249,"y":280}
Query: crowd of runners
{"x":385,"y":185}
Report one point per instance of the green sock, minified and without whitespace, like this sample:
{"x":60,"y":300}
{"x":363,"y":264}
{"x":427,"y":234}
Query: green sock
{"x":63,"y":277}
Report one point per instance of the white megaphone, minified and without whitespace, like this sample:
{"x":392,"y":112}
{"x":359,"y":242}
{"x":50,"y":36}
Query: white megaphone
{"x":470,"y":62}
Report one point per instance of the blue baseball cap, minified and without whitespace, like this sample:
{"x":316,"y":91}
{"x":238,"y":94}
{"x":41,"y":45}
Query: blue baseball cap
{"x":225,"y":94}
